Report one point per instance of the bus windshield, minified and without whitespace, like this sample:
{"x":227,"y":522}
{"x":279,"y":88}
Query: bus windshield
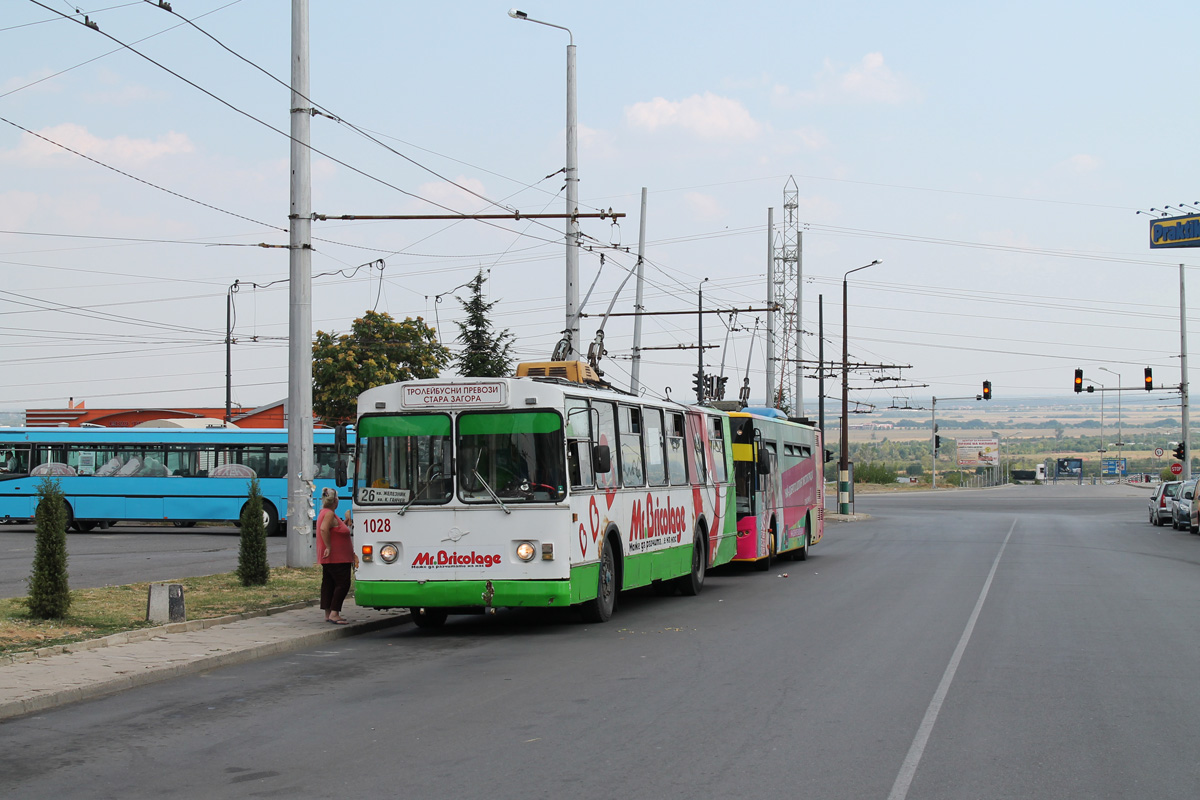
{"x":517,"y":456}
{"x":404,"y":459}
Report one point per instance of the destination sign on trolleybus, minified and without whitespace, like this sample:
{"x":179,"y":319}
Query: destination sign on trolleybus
{"x":473,"y":394}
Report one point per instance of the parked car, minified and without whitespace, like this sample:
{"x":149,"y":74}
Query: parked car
{"x":1160,"y":501}
{"x":1181,"y":506}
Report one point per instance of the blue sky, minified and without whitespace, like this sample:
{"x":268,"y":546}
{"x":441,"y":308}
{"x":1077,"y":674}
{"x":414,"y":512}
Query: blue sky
{"x":992,"y":156}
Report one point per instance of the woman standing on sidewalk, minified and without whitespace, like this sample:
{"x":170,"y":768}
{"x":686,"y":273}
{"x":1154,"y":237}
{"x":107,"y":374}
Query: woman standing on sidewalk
{"x":335,"y":554}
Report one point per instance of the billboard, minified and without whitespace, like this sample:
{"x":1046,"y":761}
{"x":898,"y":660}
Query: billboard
{"x":978,"y":452}
{"x":1181,"y":231}
{"x":1112,"y":466}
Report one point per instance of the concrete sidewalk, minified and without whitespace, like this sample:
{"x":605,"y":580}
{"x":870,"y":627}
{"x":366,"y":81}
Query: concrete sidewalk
{"x":56,"y":676}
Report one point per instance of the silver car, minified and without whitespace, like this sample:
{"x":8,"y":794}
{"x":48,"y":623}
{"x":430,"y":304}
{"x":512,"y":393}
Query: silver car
{"x":1160,"y":501}
{"x":1181,"y":506}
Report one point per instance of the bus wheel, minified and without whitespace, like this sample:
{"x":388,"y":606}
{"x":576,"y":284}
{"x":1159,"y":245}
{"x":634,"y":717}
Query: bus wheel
{"x":601,"y":608}
{"x":801,"y":552}
{"x":426,"y":618}
{"x":691,"y":584}
{"x":764,"y":564}
{"x":84,"y":527}
{"x":271,"y":519}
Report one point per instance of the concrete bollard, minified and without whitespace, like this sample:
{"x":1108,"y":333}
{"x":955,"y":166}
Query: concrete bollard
{"x":165,"y":603}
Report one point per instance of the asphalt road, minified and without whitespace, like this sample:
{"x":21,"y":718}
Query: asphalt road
{"x":1021,"y":642}
{"x":129,"y":554}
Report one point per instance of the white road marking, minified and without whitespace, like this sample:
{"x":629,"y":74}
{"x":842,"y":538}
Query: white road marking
{"x":909,"y":768}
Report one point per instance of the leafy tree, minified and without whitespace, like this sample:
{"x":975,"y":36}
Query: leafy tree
{"x":49,"y":592}
{"x":253,"y":569}
{"x":378,"y":350}
{"x":485,"y":354}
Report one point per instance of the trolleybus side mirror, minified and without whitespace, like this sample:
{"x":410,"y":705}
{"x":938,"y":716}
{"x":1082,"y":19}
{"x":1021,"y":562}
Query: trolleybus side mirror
{"x":340,"y":473}
{"x":764,"y":462}
{"x":601,"y":459}
{"x":339,"y":440}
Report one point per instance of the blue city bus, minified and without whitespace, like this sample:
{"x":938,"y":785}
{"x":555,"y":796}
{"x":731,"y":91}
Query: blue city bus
{"x":164,"y":475}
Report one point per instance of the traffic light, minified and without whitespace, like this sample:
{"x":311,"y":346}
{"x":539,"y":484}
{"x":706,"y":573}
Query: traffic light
{"x":1149,"y":380}
{"x":937,"y":443}
{"x":1078,"y":380}
{"x":987,"y":390}
{"x":1179,"y":451}
{"x":698,"y":385}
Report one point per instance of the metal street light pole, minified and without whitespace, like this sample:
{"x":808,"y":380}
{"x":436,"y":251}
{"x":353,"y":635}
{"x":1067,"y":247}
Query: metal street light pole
{"x":845,"y":506}
{"x":1120,"y":434}
{"x":572,"y":175}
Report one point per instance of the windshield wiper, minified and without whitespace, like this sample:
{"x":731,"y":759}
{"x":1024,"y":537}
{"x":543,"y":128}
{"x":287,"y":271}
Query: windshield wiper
{"x":416,"y":494}
{"x":491,"y":491}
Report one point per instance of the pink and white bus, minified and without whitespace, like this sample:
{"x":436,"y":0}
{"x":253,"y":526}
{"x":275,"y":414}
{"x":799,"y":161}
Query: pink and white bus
{"x":778,"y":484}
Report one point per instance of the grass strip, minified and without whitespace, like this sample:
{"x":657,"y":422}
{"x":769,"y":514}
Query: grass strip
{"x":95,"y":613}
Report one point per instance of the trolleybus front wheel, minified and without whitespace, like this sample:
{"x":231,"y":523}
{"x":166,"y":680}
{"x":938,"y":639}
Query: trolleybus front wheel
{"x":601,"y":608}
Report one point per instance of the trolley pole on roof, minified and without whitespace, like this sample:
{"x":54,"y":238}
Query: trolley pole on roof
{"x":300,"y":513}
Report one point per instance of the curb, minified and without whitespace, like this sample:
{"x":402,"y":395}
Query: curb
{"x":43,"y":702}
{"x":142,"y":634}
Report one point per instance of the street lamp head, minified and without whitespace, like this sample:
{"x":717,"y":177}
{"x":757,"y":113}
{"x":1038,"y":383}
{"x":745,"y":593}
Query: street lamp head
{"x":516,"y":14}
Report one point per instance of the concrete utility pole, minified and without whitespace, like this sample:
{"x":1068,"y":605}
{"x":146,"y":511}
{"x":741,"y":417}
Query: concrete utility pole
{"x":300,"y":546}
{"x":1183,"y":381}
{"x":635,"y":372}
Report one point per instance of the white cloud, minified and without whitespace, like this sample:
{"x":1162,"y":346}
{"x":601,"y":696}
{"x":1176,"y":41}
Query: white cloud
{"x":704,"y":207}
{"x":708,"y":116}
{"x":34,"y":81}
{"x":870,"y":81}
{"x":119,"y":150}
{"x":1082,"y":163}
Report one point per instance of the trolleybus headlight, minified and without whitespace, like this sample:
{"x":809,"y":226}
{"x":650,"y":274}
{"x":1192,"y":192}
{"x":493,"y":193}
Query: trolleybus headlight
{"x":389,"y":553}
{"x":526,"y":551}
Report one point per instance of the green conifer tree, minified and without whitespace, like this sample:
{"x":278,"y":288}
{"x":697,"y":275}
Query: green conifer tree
{"x":485,"y":354}
{"x":253,"y":569}
{"x":49,"y":592}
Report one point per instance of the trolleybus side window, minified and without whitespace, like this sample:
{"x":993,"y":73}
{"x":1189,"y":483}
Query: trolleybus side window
{"x":676,"y":460}
{"x":579,"y":442}
{"x":404,"y":459}
{"x":632,"y":472}
{"x":605,"y":434}
{"x":695,"y":424}
{"x":716,"y":442}
{"x":656,"y":464}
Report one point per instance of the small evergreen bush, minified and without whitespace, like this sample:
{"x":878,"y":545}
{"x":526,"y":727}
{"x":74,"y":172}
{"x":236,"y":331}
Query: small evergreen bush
{"x":49,"y":592}
{"x":253,"y":569}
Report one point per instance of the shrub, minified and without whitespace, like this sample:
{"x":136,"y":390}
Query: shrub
{"x":252,"y":568}
{"x":49,"y":592}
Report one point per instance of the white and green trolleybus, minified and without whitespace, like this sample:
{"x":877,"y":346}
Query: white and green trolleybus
{"x":473,"y":494}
